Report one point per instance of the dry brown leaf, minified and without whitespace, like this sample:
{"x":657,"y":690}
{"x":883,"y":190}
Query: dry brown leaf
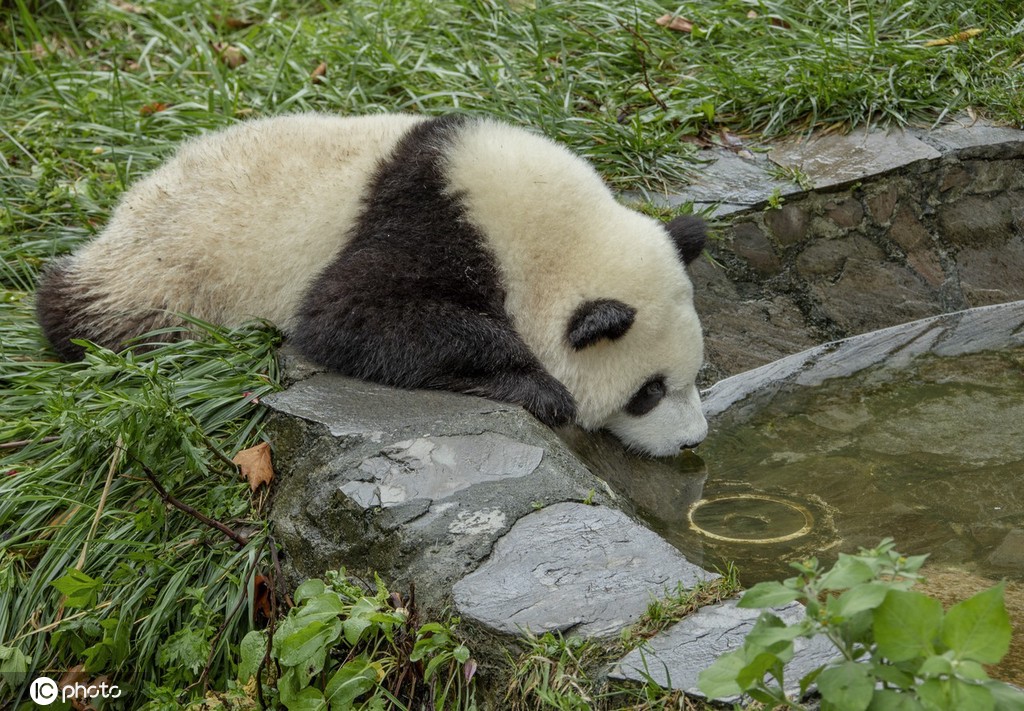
{"x":229,"y":54}
{"x":953,"y":39}
{"x":262,"y":602}
{"x":675,"y":22}
{"x":320,"y":73}
{"x":153,"y":108}
{"x":255,"y":465}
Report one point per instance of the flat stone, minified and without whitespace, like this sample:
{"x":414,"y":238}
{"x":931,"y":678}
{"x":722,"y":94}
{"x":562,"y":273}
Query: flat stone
{"x":570,"y":567}
{"x":1010,"y":552}
{"x":993,"y":276}
{"x":835,"y":159}
{"x":788,"y":224}
{"x":437,"y":467}
{"x":750,"y":243}
{"x":975,"y":220}
{"x":347,"y":406}
{"x":734,"y":183}
{"x":676,"y":657}
{"x":972,"y":138}
{"x":994,"y":327}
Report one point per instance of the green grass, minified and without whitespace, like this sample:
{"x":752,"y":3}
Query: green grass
{"x":94,"y":94}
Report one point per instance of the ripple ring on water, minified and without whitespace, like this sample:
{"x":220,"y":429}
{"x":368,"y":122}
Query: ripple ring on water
{"x":802,"y":531}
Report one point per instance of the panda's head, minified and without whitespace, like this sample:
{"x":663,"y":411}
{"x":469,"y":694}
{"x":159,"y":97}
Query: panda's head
{"x":599,"y":292}
{"x":634,"y":351}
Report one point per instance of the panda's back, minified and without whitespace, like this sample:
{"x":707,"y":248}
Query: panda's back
{"x":234,"y":225}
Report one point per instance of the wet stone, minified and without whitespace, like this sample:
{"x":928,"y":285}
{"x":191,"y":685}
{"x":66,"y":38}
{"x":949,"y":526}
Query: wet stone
{"x":833,"y":159}
{"x":570,"y":567}
{"x":992,"y":276}
{"x":972,"y":138}
{"x":750,"y":243}
{"x":975,"y":220}
{"x":869,"y":294}
{"x":675,"y":658}
{"x":882,"y":203}
{"x":788,"y":224}
{"x":735,"y":182}
{"x":846,"y":214}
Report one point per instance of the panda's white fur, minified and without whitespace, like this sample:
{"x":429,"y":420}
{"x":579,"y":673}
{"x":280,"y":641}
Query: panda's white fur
{"x":244,"y":223}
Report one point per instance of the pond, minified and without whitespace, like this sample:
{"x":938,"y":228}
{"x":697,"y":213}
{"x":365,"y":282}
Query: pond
{"x":932,"y":455}
{"x":915,"y":432}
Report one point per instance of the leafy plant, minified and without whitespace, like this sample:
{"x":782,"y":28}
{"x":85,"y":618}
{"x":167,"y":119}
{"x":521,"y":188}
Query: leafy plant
{"x":898,"y":648}
{"x":341,"y":648}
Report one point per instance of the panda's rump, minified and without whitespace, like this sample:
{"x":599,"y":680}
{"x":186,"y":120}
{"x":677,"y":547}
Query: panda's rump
{"x":233,"y":227}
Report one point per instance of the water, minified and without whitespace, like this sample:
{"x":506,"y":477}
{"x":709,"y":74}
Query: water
{"x":932,"y":455}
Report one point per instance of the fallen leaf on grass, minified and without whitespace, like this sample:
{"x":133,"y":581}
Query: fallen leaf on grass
{"x":255,"y":465}
{"x":262,"y":602}
{"x":229,"y":54}
{"x":153,"y":108}
{"x":953,"y":39}
{"x":320,"y":73}
{"x":675,"y":22}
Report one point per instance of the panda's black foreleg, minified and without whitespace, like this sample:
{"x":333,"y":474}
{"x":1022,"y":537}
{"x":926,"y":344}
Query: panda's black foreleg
{"x":432,"y":344}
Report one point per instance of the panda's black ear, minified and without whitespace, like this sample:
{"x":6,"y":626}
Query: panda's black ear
{"x":599,"y":319}
{"x":689,"y":233}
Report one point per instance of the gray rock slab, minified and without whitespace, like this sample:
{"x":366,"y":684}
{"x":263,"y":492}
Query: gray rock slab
{"x":414,"y":485}
{"x":676,"y":657}
{"x":984,"y":328}
{"x":570,"y":567}
{"x":729,"y":183}
{"x":974,"y":138}
{"x":837,"y":159}
{"x":347,"y":406}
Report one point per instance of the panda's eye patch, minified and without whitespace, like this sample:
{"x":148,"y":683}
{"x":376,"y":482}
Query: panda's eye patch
{"x":647,"y":397}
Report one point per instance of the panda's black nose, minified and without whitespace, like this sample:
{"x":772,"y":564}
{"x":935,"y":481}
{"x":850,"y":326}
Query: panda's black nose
{"x":690,"y":446}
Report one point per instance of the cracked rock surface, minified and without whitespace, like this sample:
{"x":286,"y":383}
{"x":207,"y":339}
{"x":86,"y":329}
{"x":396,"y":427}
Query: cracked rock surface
{"x":570,"y":567}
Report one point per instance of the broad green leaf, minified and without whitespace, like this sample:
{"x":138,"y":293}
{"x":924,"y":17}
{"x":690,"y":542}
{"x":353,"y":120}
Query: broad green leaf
{"x":308,"y":646}
{"x":979,"y":628}
{"x":79,"y":589}
{"x":756,"y":667}
{"x":968,"y":695}
{"x":461,"y":654}
{"x":769,"y":594}
{"x":847,"y":686}
{"x":350,"y":682}
{"x":907,"y":625}
{"x":970,"y":670}
{"x":867,"y":596}
{"x":936,"y":665}
{"x":14,"y":666}
{"x":892,"y":700}
{"x":320,"y":608}
{"x":847,"y":572}
{"x":251,"y":652}
{"x":308,"y":699}
{"x":719,"y":680}
{"x":310,"y":588}
{"x":1007,"y":698}
{"x":354,"y":628}
{"x":892,"y":676}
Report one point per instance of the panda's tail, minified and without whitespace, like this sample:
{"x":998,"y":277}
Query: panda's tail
{"x":60,"y":309}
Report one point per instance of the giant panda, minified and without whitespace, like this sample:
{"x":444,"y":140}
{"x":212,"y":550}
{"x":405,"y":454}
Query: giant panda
{"x":453,"y":252}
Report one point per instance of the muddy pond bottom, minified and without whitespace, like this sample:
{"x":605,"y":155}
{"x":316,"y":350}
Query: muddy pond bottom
{"x":932,"y":456}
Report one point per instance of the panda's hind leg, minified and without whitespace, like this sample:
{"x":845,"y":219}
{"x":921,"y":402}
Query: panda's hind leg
{"x":431,"y":344}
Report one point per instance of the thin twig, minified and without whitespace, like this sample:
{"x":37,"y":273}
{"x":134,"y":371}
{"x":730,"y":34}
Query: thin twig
{"x":19,"y":443}
{"x":233,"y":535}
{"x":643,"y":63}
{"x":115,"y":460}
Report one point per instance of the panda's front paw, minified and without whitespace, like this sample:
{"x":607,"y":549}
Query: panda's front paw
{"x":550,"y":402}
